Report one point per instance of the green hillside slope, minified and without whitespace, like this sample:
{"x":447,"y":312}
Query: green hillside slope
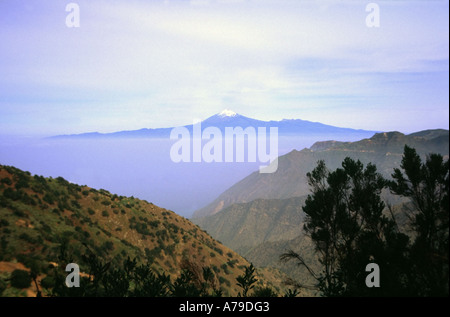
{"x":38,"y":214}
{"x":383,"y":149}
{"x":243,"y":226}
{"x":262,"y":229}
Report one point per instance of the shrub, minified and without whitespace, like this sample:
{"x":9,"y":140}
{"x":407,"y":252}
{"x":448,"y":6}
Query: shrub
{"x":76,"y":204}
{"x":49,"y":198}
{"x":218,"y":250}
{"x":26,"y":237}
{"x":4,"y":223}
{"x":11,"y":194}
{"x":2,"y":286}
{"x":107,"y":246}
{"x":20,"y":279}
{"x":22,"y":183}
{"x":46,"y":228}
{"x":62,"y":181}
{"x":264,"y":292}
{"x":6,"y":181}
{"x":48,"y":282}
{"x":223,"y":280}
{"x":3,"y":202}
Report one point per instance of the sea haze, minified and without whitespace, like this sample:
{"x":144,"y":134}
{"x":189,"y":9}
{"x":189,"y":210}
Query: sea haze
{"x":142,"y":167}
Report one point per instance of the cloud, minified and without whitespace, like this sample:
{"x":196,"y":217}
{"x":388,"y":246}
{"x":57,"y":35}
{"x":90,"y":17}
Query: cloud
{"x":269,"y":59}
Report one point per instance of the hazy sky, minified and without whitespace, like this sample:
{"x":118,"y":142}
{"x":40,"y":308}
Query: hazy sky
{"x":136,"y":64}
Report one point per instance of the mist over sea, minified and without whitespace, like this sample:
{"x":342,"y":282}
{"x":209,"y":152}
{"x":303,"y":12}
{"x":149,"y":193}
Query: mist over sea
{"x":139,"y":167}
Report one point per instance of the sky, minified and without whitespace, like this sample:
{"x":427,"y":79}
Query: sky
{"x":149,"y":64}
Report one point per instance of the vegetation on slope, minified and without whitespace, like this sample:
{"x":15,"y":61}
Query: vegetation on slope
{"x":40,"y":215}
{"x":347,"y":223}
{"x":263,"y":248}
{"x":383,"y":149}
{"x":244,"y":226}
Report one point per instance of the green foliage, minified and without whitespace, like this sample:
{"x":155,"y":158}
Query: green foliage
{"x":20,"y":279}
{"x":75,"y":204}
{"x":43,"y":213}
{"x":48,"y":282}
{"x":184,"y":285}
{"x":3,"y":286}
{"x":346,"y":222}
{"x":49,"y":198}
{"x":291,"y":293}
{"x":264,"y":292}
{"x":131,"y":280}
{"x":349,"y":227}
{"x":6,"y":180}
{"x":12,"y":194}
{"x":242,"y":226}
{"x":247,"y":280}
{"x":427,"y":185}
{"x":22,"y":183}
{"x":4,"y":223}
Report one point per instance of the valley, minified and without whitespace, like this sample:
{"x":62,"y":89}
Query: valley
{"x":252,"y":222}
{"x":39,"y":215}
{"x":261,"y":216}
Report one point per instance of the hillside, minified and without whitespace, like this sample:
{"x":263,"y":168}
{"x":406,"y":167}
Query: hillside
{"x":243,"y":226}
{"x":262,"y":229}
{"x":37,"y":214}
{"x":383,"y":149}
{"x":267,"y":253}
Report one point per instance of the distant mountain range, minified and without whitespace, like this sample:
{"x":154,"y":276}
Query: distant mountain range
{"x":383,"y":149}
{"x":228,"y":118}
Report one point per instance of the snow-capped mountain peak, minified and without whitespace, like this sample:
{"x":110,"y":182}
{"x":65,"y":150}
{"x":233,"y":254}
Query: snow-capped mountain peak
{"x":227,"y":113}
